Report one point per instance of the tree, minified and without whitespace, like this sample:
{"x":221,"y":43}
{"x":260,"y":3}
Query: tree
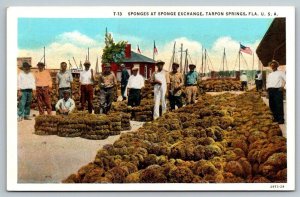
{"x":113,"y":52}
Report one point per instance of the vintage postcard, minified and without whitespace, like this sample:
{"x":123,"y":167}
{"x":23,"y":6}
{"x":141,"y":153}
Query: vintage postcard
{"x":158,"y":98}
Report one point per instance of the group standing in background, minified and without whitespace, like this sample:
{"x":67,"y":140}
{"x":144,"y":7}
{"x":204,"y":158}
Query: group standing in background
{"x":275,"y":86}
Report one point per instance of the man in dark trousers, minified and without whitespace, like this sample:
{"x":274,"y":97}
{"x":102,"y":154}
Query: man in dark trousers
{"x":124,"y":80}
{"x":135,"y":84}
{"x":258,"y":81}
{"x":275,"y":85}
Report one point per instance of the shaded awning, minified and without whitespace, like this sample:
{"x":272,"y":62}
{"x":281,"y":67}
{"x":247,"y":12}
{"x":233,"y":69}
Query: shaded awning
{"x":273,"y":44}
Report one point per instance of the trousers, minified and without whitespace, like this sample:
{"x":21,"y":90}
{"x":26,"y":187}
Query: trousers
{"x":276,"y":104}
{"x":87,"y":93}
{"x":191,"y":93}
{"x":24,"y":103}
{"x":106,"y":99}
{"x":43,"y":98}
{"x":159,"y":97}
{"x":134,"y":97}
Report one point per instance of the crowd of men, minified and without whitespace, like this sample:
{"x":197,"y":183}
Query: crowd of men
{"x":166,"y":85}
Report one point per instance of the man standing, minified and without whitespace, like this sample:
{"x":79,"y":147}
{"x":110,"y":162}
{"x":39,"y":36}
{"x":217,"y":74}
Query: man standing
{"x":64,"y":80}
{"x":66,"y":105}
{"x":159,"y":79}
{"x":86,"y":80}
{"x":43,"y":83}
{"x":176,"y":83}
{"x":26,"y":87}
{"x":275,"y":85}
{"x":124,"y":80}
{"x":243,"y":79}
{"x":107,"y":84}
{"x":135,"y":83}
{"x":191,"y":80}
{"x":258,"y":81}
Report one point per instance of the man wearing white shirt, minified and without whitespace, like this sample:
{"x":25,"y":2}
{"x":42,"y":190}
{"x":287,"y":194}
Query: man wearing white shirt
{"x":135,"y":83}
{"x":86,"y":86}
{"x":243,"y":79}
{"x":258,"y":81}
{"x":26,"y":89}
{"x":160,"y":80}
{"x":275,"y":84}
{"x":66,"y":105}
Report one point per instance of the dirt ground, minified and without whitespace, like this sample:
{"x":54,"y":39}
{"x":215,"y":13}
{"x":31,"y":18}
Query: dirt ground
{"x":50,"y":159}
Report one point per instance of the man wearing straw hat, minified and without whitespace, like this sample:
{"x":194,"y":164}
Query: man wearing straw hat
{"x":275,"y":85}
{"x":26,"y":89}
{"x":135,"y":83}
{"x":107,"y":84}
{"x":160,"y":80}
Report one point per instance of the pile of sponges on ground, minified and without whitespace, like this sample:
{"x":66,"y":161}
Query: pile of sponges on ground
{"x":90,"y":126}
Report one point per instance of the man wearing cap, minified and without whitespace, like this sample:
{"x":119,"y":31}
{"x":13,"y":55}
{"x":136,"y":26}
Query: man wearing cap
{"x":159,"y":79}
{"x":244,"y":79}
{"x":64,"y":79}
{"x":86,"y":80}
{"x":66,"y":105}
{"x":176,"y":83}
{"x":191,"y":80}
{"x":107,"y":84}
{"x":275,"y":85}
{"x":135,"y":83}
{"x":43,"y":82}
{"x":124,"y":80}
{"x":26,"y":87}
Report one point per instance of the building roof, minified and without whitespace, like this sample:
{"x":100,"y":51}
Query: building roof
{"x":137,"y":58}
{"x":273,"y":44}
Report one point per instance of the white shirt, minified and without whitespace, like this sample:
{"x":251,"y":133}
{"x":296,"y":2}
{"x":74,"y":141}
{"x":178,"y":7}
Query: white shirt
{"x":64,"y":79}
{"x":161,"y":76}
{"x":275,"y":79}
{"x":243,"y":77}
{"x":26,"y":81}
{"x":136,"y":82}
{"x":62,"y":104}
{"x":259,"y":76}
{"x":86,"y":77}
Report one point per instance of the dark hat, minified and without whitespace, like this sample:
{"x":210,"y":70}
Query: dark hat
{"x":175,"y":64}
{"x":26,"y":64}
{"x":274,"y":62}
{"x":192,"y":65}
{"x":160,"y":62}
{"x":107,"y":65}
{"x":40,"y":64}
{"x":87,"y":62}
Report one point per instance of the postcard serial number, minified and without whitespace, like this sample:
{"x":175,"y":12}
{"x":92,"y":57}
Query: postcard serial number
{"x":277,"y":186}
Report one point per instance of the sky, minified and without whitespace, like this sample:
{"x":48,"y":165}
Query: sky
{"x":65,"y":38}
